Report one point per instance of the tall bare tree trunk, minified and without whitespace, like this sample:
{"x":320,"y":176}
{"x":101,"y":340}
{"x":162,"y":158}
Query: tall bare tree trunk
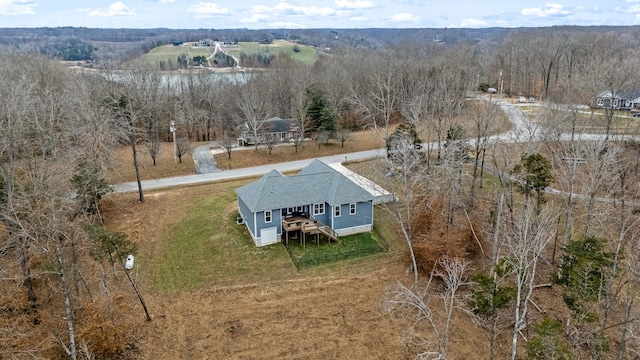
{"x":71,"y":351}
{"x":137,"y":167}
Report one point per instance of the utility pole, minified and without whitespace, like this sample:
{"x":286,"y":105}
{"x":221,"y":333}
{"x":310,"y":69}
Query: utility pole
{"x":172,"y":129}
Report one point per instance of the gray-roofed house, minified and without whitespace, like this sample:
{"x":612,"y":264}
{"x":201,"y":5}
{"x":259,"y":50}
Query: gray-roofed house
{"x":617,"y":100}
{"x":280,"y":130}
{"x":318,"y":200}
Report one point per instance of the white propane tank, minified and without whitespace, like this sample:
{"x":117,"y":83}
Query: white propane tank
{"x":128,"y":264}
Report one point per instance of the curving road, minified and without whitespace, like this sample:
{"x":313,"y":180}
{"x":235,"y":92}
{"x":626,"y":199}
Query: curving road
{"x":523,"y":131}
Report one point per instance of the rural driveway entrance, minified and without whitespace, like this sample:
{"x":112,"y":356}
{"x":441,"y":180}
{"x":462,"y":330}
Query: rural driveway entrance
{"x":204,"y":160}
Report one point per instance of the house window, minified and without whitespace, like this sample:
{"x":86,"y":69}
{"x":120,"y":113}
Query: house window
{"x":299,"y":209}
{"x":318,"y":209}
{"x":352,"y":209}
{"x":289,"y":211}
{"x":282,"y":136}
{"x":336,"y":211}
{"x":267,"y":216}
{"x":600,"y":102}
{"x":615,"y":103}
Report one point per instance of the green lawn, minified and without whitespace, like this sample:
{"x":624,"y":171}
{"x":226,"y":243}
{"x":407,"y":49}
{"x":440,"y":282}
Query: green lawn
{"x":306,"y":54}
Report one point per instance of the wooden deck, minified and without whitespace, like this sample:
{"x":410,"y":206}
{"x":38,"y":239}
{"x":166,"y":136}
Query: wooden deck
{"x":307,"y":226}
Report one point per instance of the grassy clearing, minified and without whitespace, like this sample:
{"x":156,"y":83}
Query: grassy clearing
{"x":306,"y":54}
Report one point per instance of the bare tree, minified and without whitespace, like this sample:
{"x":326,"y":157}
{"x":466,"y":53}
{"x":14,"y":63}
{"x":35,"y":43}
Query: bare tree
{"x":253,"y":105}
{"x":602,"y":163}
{"x":484,"y":124}
{"x":416,"y":305}
{"x":407,"y":179}
{"x":131,"y":104}
{"x":300,"y":106}
{"x":376,"y":95}
{"x":343,"y":135}
{"x":526,"y":240}
{"x":183,"y":146}
{"x":321,"y":138}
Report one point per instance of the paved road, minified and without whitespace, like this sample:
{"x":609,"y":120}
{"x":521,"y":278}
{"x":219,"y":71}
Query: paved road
{"x":244,"y":172}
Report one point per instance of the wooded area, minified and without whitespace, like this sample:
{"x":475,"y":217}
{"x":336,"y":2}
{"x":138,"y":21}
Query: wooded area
{"x":483,"y":234}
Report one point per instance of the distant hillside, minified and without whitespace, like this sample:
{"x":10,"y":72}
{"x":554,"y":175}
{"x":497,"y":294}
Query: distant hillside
{"x":71,"y":43}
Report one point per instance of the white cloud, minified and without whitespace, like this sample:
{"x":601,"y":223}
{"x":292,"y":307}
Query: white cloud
{"x":358,"y":18}
{"x":289,"y":9}
{"x":630,"y":9}
{"x":547,"y":10}
{"x":207,"y":10}
{"x":260,"y":9}
{"x":473,"y":23}
{"x":403,"y":17}
{"x":167,"y":1}
{"x":115,"y":9}
{"x":287,"y":25}
{"x":255,"y":18}
{"x":283,"y":11}
{"x":17,"y":7}
{"x":357,"y":4}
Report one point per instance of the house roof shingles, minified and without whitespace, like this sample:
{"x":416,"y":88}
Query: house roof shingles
{"x":316,"y":183}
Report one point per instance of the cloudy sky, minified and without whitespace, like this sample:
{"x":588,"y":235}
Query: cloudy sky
{"x":264,"y":14}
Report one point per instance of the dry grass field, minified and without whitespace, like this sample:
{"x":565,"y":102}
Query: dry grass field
{"x":122,"y":169}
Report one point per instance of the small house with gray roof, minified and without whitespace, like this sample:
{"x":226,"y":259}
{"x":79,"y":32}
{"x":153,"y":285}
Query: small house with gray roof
{"x":318,"y":200}
{"x":274,"y":129}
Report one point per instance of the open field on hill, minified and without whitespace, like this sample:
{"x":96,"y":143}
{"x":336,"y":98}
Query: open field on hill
{"x":306,"y":54}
